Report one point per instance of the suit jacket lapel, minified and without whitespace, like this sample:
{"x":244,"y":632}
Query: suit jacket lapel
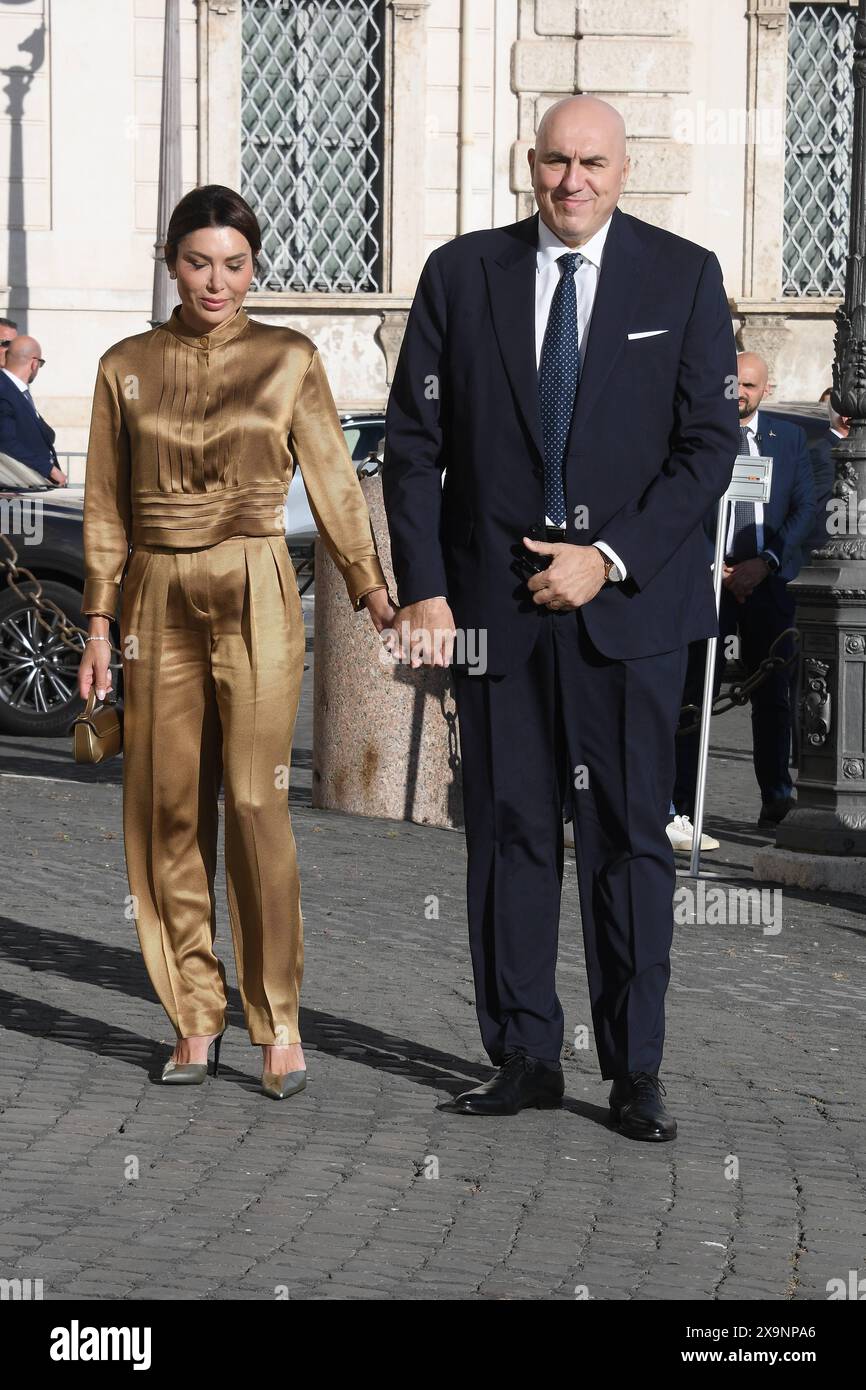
{"x":615,"y":294}
{"x":45,"y":429}
{"x":511,"y":279}
{"x":511,"y":288}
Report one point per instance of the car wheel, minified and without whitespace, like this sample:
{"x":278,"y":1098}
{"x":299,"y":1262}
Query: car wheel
{"x":38,"y":671}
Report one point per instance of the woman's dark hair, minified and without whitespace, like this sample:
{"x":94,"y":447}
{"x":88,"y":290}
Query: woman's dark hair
{"x":212,"y":205}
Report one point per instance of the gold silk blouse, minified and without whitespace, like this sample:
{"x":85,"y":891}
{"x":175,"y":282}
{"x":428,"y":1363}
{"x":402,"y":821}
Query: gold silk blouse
{"x":195,"y":439}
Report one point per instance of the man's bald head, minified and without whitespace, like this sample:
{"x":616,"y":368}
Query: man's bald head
{"x":579,"y":166}
{"x":753,"y":375}
{"x":590,"y":113}
{"x":22,"y":357}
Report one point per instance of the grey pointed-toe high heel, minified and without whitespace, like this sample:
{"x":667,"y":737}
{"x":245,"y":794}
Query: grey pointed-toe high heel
{"x":192,"y":1073}
{"x":279,"y":1085}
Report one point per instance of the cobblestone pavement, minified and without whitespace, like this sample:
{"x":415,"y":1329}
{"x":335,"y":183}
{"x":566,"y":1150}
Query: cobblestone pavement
{"x":113,"y":1186}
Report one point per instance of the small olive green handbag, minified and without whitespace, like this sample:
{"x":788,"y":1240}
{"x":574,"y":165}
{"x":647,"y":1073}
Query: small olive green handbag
{"x":97,"y":733}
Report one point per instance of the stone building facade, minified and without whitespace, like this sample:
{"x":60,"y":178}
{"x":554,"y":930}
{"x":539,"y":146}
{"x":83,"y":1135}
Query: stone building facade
{"x":367,"y":132}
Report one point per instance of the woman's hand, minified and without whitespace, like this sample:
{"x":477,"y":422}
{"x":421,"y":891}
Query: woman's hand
{"x":380,"y":608}
{"x":95,"y":668}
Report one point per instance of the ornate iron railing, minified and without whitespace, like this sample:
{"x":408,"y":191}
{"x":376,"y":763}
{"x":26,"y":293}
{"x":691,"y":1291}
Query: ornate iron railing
{"x":312,"y":120}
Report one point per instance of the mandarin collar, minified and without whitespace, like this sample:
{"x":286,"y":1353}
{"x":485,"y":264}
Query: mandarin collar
{"x":223,"y":333}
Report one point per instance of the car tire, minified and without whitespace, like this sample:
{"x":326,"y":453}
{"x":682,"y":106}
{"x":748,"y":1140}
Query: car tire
{"x":18,"y":633}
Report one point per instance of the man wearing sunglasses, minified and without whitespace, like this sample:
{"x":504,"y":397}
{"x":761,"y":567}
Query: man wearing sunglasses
{"x":24,"y":435}
{"x":8,"y":331}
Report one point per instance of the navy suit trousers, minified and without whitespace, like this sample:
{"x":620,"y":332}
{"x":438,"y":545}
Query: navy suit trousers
{"x":768,"y":611}
{"x":608,"y":725}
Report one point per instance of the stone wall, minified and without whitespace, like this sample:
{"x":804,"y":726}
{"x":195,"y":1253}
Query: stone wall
{"x":467,"y":85}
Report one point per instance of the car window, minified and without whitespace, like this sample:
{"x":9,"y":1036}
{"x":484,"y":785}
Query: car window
{"x":352,"y":435}
{"x":814,"y":427}
{"x":368,"y":440}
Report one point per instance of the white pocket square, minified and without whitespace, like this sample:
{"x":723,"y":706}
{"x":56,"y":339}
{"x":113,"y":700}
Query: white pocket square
{"x":653,"y":333}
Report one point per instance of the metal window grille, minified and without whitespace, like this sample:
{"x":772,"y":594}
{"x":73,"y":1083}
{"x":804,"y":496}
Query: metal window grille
{"x":818,"y":133}
{"x":312,"y":121}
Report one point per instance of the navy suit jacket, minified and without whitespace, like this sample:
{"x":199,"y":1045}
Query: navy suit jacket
{"x":789,"y":516}
{"x":24,"y":435}
{"x":824,"y":477}
{"x":652,"y":440}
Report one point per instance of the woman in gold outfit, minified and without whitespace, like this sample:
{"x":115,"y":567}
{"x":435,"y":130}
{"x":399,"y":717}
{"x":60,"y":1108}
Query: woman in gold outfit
{"x":195,"y":429}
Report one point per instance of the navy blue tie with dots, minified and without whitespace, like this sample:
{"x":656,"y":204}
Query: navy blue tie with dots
{"x":558,"y":374}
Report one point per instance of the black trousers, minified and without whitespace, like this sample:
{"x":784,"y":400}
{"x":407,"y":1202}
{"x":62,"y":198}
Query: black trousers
{"x":569,"y":711}
{"x":766,"y":613}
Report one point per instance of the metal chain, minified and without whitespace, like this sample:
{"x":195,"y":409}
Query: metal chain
{"x":741,"y":691}
{"x":305,"y":571}
{"x":63,"y":628}
{"x":450,"y":717}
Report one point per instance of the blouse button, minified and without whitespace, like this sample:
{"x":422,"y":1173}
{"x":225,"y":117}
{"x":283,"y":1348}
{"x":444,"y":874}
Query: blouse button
{"x":203,"y":342}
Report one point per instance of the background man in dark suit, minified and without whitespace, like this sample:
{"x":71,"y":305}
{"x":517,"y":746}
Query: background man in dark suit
{"x":8,"y":331}
{"x":24,"y":435}
{"x":573,"y":372}
{"x":763,"y":552}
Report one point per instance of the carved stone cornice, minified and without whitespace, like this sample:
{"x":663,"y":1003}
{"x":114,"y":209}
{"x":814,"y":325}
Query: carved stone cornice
{"x":409,"y":9}
{"x":769,"y":14}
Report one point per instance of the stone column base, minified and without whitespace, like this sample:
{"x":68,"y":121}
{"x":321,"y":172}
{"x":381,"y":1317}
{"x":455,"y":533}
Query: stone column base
{"x":811,"y":871}
{"x":385,"y":737}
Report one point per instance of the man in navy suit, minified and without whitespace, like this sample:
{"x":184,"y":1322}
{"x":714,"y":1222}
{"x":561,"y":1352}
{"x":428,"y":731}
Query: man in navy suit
{"x":24,"y":435}
{"x":573,"y":374}
{"x":763,"y":550}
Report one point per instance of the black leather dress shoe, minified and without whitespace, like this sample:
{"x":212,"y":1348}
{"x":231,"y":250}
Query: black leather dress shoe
{"x":637,"y":1108}
{"x":774,"y":812}
{"x":519,"y":1082}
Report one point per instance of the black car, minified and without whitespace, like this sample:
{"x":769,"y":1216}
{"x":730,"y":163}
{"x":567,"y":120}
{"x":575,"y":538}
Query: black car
{"x":38,"y":670}
{"x":811,"y":418}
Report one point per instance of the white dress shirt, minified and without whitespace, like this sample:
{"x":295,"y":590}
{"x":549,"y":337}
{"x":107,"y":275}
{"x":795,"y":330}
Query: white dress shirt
{"x":547,"y":277}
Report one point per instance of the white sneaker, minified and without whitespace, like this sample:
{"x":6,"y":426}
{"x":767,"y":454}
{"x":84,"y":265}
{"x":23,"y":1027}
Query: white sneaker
{"x":681,"y":834}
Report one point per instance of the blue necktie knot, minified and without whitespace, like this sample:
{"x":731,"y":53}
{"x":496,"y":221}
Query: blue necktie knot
{"x":569,"y":262}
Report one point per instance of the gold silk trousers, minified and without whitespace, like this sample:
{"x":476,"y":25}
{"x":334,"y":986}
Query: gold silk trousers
{"x":213,"y":654}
